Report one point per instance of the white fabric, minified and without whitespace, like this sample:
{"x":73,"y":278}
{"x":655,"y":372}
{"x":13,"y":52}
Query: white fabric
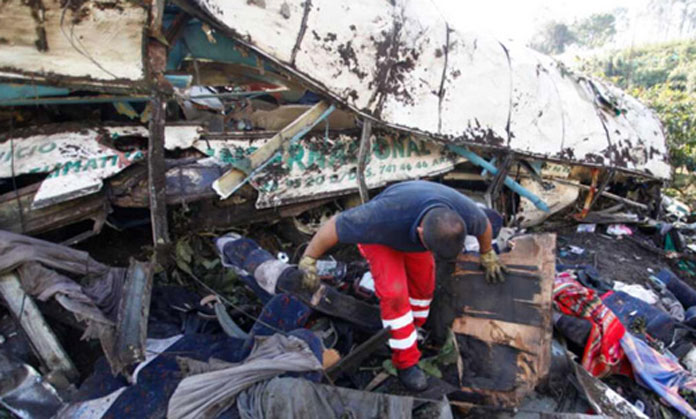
{"x":420,"y":303}
{"x":404,"y":343}
{"x":267,"y":274}
{"x":399,"y":322}
{"x":637,"y":291}
{"x":421,"y":314}
{"x":471,"y":244}
{"x":367,"y":281}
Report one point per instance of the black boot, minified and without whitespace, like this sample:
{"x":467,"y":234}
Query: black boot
{"x":413,"y":378}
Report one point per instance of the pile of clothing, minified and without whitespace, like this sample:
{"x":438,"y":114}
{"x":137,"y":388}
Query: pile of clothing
{"x":629,"y":330}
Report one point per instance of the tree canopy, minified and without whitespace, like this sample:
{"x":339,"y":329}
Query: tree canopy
{"x":592,"y":32}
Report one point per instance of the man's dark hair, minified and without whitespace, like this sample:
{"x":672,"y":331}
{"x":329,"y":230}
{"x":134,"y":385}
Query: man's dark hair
{"x":444,"y":232}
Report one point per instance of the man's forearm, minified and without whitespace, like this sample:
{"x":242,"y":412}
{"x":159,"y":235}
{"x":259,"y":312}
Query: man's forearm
{"x":486,"y":239}
{"x":323,"y":240}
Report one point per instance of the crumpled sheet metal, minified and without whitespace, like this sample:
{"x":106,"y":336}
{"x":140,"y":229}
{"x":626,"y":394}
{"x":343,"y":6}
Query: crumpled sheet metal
{"x":78,"y":158}
{"x":400,"y":62}
{"x":24,"y":392}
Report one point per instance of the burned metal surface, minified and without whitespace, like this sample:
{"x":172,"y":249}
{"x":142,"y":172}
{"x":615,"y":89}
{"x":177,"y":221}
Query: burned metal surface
{"x":503,"y":331}
{"x":402,"y":64}
{"x":92,"y":42}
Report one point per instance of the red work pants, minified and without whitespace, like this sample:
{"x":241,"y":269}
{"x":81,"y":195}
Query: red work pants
{"x":404,"y":283}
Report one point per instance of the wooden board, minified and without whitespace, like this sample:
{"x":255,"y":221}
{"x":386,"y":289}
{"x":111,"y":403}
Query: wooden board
{"x":43,"y":340}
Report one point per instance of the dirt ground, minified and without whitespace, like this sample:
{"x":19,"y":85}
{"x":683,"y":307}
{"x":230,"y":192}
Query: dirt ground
{"x":615,"y":258}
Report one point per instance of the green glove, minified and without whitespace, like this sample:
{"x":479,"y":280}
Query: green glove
{"x":310,"y":279}
{"x":495,"y":270}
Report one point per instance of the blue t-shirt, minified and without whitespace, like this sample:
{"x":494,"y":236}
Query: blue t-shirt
{"x":392,"y":217}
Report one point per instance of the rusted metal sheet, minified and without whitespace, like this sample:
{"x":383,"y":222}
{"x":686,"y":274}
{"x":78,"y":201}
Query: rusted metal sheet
{"x":504,"y":330}
{"x":318,"y":166}
{"x":78,"y":159}
{"x":85,"y":42}
{"x":558,"y":196}
{"x":401,"y":63}
{"x":17,"y":215}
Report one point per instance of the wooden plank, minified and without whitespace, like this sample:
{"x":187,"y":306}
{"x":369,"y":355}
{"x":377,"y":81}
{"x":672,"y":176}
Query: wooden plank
{"x":44,"y":342}
{"x":133,"y":313}
{"x":520,"y":292}
{"x":279,"y":118}
{"x":228,"y":183}
{"x":90,"y":43}
{"x":518,"y":336}
{"x":602,"y":187}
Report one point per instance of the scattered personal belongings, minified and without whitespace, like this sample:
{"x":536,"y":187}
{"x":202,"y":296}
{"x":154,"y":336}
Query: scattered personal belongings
{"x":171,"y":170}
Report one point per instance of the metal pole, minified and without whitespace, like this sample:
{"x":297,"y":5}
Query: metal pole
{"x":156,"y":173}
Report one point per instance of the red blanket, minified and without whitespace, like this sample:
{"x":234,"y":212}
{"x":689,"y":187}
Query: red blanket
{"x":603,"y":352}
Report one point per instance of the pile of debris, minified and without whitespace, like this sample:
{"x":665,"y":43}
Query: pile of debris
{"x":594,"y":306}
{"x":136,"y":135}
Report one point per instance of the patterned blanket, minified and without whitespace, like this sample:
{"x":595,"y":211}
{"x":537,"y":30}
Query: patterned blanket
{"x":603,"y":352}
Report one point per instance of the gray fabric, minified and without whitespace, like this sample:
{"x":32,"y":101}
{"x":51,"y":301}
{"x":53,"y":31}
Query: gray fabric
{"x":208,"y":394}
{"x":16,"y":249}
{"x":669,"y":303}
{"x":41,"y":266}
{"x":46,"y":284}
{"x":189,"y":366}
{"x":288,"y":398}
{"x":28,"y":255}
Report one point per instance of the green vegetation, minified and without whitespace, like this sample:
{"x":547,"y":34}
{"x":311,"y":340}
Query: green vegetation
{"x":591,"y":32}
{"x":664,"y":78}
